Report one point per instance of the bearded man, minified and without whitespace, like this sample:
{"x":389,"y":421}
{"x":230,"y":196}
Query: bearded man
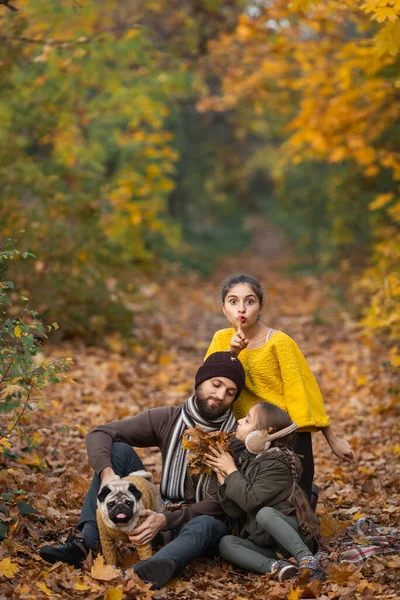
{"x":199,"y":523}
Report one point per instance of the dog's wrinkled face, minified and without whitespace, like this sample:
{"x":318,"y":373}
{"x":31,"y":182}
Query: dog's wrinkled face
{"x":120,"y":502}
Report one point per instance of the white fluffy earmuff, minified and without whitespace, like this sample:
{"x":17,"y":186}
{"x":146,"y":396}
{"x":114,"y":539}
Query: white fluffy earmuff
{"x":259,"y":440}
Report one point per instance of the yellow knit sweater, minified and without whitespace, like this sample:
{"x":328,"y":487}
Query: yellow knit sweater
{"x":277,"y":372}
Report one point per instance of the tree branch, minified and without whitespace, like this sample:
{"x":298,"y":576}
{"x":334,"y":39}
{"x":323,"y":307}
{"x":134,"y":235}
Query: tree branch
{"x":9,"y":6}
{"x":66,"y":43}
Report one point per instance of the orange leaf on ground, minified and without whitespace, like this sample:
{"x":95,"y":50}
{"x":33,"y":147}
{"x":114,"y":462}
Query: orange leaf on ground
{"x":340,"y":574}
{"x":102,"y":571}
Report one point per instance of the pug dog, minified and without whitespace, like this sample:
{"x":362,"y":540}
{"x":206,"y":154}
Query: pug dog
{"x":118,"y":508}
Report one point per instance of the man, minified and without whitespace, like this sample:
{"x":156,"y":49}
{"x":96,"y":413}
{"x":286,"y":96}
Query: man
{"x":198,"y":525}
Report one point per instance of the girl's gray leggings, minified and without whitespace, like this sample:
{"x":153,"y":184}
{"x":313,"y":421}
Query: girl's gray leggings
{"x":285,"y":539}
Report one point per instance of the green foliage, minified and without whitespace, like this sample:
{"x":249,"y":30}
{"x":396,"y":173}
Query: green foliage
{"x":86,"y":162}
{"x":24,"y":371}
{"x":93,"y":103}
{"x":211,"y":199}
{"x":324,"y":209}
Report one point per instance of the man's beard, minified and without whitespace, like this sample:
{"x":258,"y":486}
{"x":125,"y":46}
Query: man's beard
{"x":207,"y":411}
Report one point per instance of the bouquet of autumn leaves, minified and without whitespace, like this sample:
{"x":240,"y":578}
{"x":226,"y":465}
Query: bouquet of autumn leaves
{"x":198,"y":442}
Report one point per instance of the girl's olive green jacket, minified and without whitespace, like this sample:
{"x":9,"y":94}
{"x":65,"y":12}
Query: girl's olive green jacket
{"x":263,"y":480}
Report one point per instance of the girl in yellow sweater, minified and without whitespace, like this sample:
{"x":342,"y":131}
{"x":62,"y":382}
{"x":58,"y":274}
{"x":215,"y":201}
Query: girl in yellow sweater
{"x":276,"y":371}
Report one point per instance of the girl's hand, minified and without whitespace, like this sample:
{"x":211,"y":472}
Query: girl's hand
{"x":238,"y":341}
{"x":220,"y":461}
{"x":342,"y":449}
{"x":220,"y":477}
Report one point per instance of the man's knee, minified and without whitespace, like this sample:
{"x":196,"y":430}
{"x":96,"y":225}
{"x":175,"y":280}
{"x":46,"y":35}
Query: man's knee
{"x":124,"y":459}
{"x":207,"y":527}
{"x":120,"y":450}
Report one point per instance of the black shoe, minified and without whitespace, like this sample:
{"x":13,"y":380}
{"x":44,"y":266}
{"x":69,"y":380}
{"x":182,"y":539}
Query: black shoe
{"x":314,"y":496}
{"x":157,"y":571}
{"x":73,"y":552}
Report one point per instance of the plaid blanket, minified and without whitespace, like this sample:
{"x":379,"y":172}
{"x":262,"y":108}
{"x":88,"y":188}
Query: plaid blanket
{"x":365,"y":539}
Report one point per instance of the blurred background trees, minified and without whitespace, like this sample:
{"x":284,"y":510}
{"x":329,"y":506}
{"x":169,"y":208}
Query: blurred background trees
{"x":139,"y":134}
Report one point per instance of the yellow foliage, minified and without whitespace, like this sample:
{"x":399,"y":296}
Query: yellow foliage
{"x":382,"y":10}
{"x":4,"y":444}
{"x":346,"y":102}
{"x":32,"y":460}
{"x":7,"y":568}
{"x":381,"y":201}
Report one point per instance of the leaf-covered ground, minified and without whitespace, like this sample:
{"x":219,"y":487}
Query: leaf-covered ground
{"x":175,"y":321}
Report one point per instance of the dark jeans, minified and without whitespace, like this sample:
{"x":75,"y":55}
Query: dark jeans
{"x":303,"y":447}
{"x":198,"y":538}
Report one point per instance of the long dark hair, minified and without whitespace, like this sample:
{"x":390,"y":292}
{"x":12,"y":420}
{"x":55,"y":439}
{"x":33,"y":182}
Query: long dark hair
{"x":251,"y":281}
{"x":271,"y":418}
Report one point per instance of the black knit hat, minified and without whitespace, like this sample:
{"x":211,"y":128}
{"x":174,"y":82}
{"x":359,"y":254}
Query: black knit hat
{"x":222,"y":364}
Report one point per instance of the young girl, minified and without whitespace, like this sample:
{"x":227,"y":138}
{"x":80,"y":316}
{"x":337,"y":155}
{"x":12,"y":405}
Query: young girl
{"x":276,"y":370}
{"x":263,"y":491}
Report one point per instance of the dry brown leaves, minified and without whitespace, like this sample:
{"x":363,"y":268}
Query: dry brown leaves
{"x":173,"y":334}
{"x":198,"y":442}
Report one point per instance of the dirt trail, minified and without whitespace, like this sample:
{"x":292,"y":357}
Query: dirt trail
{"x":173,"y":335}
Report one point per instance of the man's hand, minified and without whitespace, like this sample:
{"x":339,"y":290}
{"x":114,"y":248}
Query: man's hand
{"x":238,"y":341}
{"x":108,"y":476}
{"x":220,"y":477}
{"x":153,"y":523}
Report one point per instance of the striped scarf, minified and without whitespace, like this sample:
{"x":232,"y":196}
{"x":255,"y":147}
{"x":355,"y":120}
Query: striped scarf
{"x":172,"y":485}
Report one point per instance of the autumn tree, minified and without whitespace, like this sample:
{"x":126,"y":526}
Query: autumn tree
{"x":321,"y":79}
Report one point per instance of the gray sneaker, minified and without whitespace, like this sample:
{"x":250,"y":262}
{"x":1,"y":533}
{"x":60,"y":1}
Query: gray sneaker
{"x":315,"y":567}
{"x":284,"y":569}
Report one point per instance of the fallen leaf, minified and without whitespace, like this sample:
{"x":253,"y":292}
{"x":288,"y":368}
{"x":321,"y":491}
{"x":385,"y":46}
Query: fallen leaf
{"x":81,"y":587}
{"x":340,"y":574}
{"x":7,"y":568}
{"x":113,"y":593}
{"x":102,"y":571}
{"x":43,"y":588}
{"x":294,"y":593}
